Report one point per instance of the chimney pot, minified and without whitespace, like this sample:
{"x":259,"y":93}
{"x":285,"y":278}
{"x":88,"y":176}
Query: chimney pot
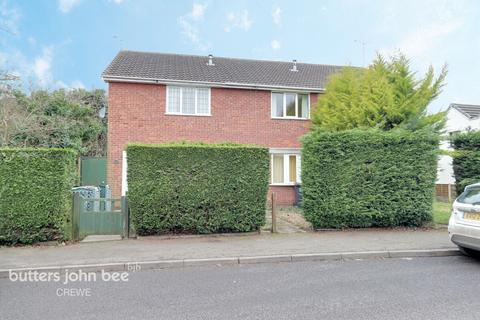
{"x":210,"y":60}
{"x":294,"y":67}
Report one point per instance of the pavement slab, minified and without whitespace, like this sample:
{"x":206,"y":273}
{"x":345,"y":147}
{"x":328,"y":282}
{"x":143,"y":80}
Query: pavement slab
{"x":209,"y":247}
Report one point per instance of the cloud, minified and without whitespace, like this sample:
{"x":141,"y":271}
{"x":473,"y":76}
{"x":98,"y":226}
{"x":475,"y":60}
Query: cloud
{"x":432,"y":23}
{"x":422,"y":40}
{"x":42,"y":66}
{"x":9,"y":17}
{"x":117,"y":1}
{"x":277,"y":16}
{"x":191,"y":32}
{"x":66,"y":5}
{"x":34,"y":68}
{"x":36,"y":71}
{"x":275,"y":45}
{"x":189,"y":25}
{"x":75,"y":84}
{"x":239,"y":20}
{"x":198,"y":11}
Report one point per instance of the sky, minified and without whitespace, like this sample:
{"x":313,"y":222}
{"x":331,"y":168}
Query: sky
{"x":68,"y":43}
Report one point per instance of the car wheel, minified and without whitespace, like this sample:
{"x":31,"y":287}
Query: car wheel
{"x":469,"y":252}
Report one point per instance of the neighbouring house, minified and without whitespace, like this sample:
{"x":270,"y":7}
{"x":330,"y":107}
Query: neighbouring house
{"x":459,"y":118}
{"x":157,"y":98}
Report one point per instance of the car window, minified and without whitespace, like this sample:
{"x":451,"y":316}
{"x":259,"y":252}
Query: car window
{"x":471,"y":196}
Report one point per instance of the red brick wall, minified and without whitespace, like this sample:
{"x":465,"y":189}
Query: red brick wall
{"x":285,"y":195}
{"x":137,"y":114}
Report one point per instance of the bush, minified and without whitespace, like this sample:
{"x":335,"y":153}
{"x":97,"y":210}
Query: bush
{"x":465,"y":182}
{"x":197,"y":188}
{"x":35,"y":198}
{"x":466,"y":159}
{"x":365,"y":178}
{"x":467,"y":141}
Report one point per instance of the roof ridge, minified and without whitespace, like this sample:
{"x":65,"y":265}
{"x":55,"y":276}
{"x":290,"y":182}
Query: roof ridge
{"x":464,"y":104}
{"x":468,"y":110}
{"x":240,"y":59}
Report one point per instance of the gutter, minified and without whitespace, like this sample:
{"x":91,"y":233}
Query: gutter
{"x":233,"y":85}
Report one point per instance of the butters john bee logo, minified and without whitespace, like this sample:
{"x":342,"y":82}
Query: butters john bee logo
{"x":67,"y":277}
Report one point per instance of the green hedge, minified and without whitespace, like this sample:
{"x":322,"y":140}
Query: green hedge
{"x":466,"y":159}
{"x":35,"y":198}
{"x":466,"y":141}
{"x":365,"y":178}
{"x":197,"y":188}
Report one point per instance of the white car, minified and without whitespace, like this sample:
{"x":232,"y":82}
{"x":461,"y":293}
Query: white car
{"x":464,"y":224}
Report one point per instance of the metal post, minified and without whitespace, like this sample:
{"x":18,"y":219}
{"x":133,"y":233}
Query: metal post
{"x":79,"y":171}
{"x":274,"y":212}
{"x":76,"y":216}
{"x":126,"y":218}
{"x":72,"y":219}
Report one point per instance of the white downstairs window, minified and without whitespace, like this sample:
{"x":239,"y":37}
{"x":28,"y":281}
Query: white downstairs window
{"x":285,"y":168}
{"x":188,"y":100}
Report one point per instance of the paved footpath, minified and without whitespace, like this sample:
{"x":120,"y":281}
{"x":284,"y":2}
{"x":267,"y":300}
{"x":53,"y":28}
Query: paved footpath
{"x":206,"y":247}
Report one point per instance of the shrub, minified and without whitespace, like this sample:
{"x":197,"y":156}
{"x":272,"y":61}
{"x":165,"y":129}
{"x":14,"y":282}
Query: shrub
{"x":35,"y":198}
{"x":364,"y":178}
{"x":466,"y":159}
{"x":467,"y":141}
{"x":465,"y":182}
{"x":197,"y":188}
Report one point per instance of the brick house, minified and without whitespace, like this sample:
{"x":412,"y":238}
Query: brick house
{"x":157,"y":98}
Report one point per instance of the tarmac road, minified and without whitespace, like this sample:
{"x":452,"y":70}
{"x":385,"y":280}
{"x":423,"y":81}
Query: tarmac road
{"x":413,"y":288}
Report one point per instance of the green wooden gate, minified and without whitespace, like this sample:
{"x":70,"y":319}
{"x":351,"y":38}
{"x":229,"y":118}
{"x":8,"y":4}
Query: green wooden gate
{"x":93,"y":171}
{"x":99,"y":216}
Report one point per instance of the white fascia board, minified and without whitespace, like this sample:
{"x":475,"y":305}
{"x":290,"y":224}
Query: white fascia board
{"x":285,"y":150}
{"x":107,"y":78}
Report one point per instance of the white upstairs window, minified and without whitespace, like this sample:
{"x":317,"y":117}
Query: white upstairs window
{"x":188,"y":100}
{"x":290,"y":105}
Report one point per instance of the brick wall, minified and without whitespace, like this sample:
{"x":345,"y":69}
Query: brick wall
{"x":137,"y":114}
{"x":285,"y":195}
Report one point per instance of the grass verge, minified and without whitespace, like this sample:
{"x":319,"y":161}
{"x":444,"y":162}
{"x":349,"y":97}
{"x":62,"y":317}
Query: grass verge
{"x":441,"y":212}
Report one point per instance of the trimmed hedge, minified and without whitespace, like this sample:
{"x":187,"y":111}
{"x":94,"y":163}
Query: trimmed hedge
{"x":197,"y":188}
{"x":366,"y":178}
{"x":466,"y":141}
{"x":466,"y":159}
{"x":35,"y":196}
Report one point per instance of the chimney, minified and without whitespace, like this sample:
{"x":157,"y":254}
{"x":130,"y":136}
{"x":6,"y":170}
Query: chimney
{"x":210,"y":60}
{"x":294,"y":67}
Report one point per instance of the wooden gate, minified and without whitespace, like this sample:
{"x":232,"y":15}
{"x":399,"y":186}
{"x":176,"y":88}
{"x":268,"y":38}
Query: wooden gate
{"x":99,"y":216}
{"x":93,"y":171}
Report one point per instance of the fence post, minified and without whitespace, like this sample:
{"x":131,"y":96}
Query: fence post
{"x":274,"y":212}
{"x":75,"y":216}
{"x":449,"y":192}
{"x":126,"y":217}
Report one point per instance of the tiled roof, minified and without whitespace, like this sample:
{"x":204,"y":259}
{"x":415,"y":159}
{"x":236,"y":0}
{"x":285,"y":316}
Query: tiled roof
{"x":471,"y":111}
{"x":225,"y":71}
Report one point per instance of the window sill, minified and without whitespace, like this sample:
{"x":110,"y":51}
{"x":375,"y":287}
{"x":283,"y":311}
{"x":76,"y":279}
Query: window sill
{"x":290,"y":118}
{"x":187,"y":115}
